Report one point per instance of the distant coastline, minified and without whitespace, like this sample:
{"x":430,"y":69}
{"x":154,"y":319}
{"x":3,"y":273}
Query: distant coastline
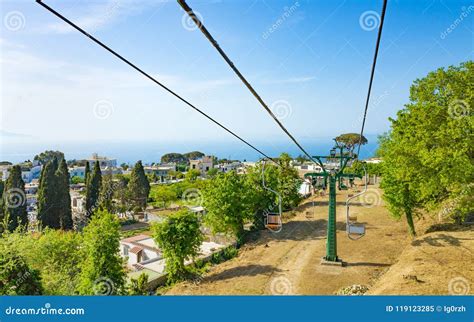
{"x":151,"y":151}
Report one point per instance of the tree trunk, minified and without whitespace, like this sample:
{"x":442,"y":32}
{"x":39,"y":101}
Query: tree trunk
{"x":411,"y":225}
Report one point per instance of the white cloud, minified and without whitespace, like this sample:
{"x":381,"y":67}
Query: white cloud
{"x":290,"y":80}
{"x":97,"y":16}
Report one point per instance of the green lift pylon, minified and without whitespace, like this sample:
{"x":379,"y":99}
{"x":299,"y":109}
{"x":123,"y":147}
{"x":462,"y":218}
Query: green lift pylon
{"x":333,"y":172}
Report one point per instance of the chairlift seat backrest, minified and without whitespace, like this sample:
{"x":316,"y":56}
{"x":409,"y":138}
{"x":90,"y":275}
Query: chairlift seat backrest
{"x":356,"y":229}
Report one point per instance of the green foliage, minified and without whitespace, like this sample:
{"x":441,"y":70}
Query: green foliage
{"x":121,"y":193}
{"x":194,"y":155}
{"x":163,"y":194}
{"x":139,"y":187}
{"x":224,"y":255}
{"x":48,"y":156}
{"x":350,"y":141}
{"x":428,"y":153}
{"x":212,"y":172}
{"x":106,"y":193}
{"x":63,"y":200}
{"x":288,"y":182}
{"x":87,"y":172}
{"x":56,"y":255}
{"x":179,"y":238}
{"x":47,"y":196}
{"x":16,"y":276}
{"x":102,"y":262}
{"x":174,"y":157}
{"x":77,"y":180}
{"x":192,"y":174}
{"x":14,"y":197}
{"x":227,"y":205}
{"x":93,"y":184}
{"x":138,"y":286}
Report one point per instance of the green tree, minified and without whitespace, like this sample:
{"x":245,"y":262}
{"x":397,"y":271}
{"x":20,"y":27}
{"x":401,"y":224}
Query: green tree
{"x":163,"y":194}
{"x":2,"y":218}
{"x":47,"y":156}
{"x":77,"y":180}
{"x":93,"y":184}
{"x":121,"y":193}
{"x":179,"y":238}
{"x":428,"y":156}
{"x":350,"y":141}
{"x":16,"y":277}
{"x":192,"y":174}
{"x":227,"y":205}
{"x":174,"y":157}
{"x":87,"y":172}
{"x":212,"y":172}
{"x":106,"y":194}
{"x":194,"y":155}
{"x":14,"y":197}
{"x":288,"y":182}
{"x":138,"y":286}
{"x":56,"y":254}
{"x":102,"y":271}
{"x":262,"y":200}
{"x":139,"y":187}
{"x":48,"y":196}
{"x":63,"y":197}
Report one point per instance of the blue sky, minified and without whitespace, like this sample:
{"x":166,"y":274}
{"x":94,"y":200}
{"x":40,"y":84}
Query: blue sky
{"x":309,"y":60}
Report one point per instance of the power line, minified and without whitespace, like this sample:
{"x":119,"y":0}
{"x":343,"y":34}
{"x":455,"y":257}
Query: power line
{"x":206,"y":33}
{"x":149,"y":77}
{"x":379,"y":36}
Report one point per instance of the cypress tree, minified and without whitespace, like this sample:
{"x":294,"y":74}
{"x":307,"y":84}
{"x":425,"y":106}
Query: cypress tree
{"x":48,"y":204}
{"x":87,"y":171}
{"x":64,"y":198}
{"x":139,"y":186}
{"x":94,"y":182}
{"x":14,"y":196}
{"x":2,"y":185}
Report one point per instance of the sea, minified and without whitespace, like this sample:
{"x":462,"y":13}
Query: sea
{"x":150,"y":151}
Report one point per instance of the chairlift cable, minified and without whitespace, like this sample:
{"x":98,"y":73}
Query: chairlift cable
{"x":379,"y":36}
{"x":150,"y":77}
{"x":211,"y":39}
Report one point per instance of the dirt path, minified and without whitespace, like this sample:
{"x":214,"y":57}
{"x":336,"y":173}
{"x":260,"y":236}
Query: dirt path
{"x":289,"y":262}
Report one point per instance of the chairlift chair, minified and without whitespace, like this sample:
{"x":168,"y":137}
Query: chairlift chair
{"x":272,"y":220}
{"x":354,"y":229}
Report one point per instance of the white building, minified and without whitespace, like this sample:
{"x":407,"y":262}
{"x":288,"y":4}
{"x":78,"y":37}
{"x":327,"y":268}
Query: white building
{"x":231,"y":166}
{"x":161,"y":171}
{"x":28,"y":173}
{"x":103,"y":161}
{"x":77,"y":172}
{"x":139,"y":251}
{"x":142,"y":253}
{"x":78,"y":203}
{"x":374,"y":160}
{"x":203,"y":165}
